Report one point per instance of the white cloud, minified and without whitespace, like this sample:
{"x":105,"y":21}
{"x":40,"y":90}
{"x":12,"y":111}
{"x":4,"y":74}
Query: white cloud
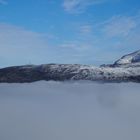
{"x":118,"y":35}
{"x":119,"y":26}
{"x":20,"y":46}
{"x":3,"y":2}
{"x":91,"y":43}
{"x":109,"y":40}
{"x":78,"y":6}
{"x":85,"y":29}
{"x":78,"y":46}
{"x":14,"y":36}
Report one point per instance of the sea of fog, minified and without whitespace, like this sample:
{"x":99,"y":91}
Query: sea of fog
{"x":70,"y":111}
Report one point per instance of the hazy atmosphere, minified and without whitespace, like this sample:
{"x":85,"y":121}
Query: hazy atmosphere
{"x":69,"y":111}
{"x":91,"y":48}
{"x":67,"y":31}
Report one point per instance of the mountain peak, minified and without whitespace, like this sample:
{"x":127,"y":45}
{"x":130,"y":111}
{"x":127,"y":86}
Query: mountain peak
{"x":129,"y":58}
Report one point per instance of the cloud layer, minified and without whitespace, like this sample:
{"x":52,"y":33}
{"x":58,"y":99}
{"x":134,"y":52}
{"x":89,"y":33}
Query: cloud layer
{"x":69,"y":111}
{"x":78,"y":6}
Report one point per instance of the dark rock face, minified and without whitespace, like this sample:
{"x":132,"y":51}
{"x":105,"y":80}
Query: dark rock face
{"x":16,"y":74}
{"x":120,"y":71}
{"x":21,"y":74}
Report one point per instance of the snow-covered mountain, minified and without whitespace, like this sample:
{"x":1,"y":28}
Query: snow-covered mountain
{"x":128,"y":59}
{"x":125,"y":69}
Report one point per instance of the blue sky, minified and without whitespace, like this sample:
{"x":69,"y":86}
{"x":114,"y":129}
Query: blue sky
{"x":67,"y":31}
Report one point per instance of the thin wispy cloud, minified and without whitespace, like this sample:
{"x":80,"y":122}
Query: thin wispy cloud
{"x":78,"y":46}
{"x":34,"y":48}
{"x":85,"y":29}
{"x":119,"y":26}
{"x":3,"y":2}
{"x":88,"y":46}
{"x":17,"y":42}
{"x":78,"y":6}
{"x":120,"y":34}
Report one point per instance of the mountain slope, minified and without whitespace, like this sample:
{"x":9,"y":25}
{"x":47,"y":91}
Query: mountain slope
{"x":128,"y":59}
{"x":123,"y":70}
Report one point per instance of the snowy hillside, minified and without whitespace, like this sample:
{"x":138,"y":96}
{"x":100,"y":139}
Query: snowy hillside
{"x":125,"y":69}
{"x":130,"y":58}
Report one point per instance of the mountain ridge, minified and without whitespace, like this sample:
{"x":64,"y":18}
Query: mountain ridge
{"x":129,"y":58}
{"x":124,"y":69}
